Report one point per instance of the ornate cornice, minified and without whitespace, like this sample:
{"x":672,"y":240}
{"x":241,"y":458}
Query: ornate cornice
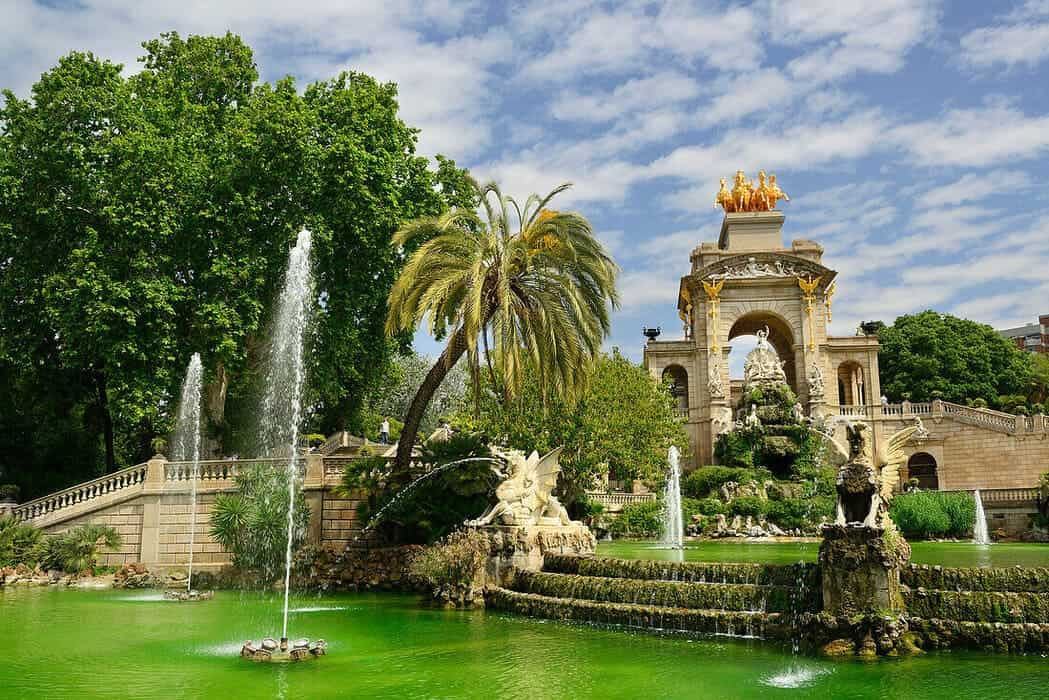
{"x":764,"y":265}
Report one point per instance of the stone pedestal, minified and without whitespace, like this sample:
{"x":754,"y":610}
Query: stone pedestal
{"x":524,"y":547}
{"x":860,"y":569}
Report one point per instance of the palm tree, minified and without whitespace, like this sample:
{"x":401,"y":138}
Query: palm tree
{"x":534,"y":280}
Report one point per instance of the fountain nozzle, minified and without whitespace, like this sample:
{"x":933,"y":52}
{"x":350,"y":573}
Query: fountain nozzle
{"x":283,"y":643}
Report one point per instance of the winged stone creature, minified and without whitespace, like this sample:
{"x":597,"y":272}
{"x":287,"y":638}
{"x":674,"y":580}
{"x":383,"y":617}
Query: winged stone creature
{"x":866,"y":480}
{"x":525,"y":494}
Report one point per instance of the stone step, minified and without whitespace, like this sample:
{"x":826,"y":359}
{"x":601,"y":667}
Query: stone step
{"x":978,"y":606}
{"x":793,"y":575}
{"x":715,"y":622}
{"x":1015,"y":638}
{"x":739,"y":597}
{"x":1013,"y":579}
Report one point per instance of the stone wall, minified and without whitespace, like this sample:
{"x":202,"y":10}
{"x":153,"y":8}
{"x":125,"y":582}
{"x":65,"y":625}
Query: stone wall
{"x":125,"y":519}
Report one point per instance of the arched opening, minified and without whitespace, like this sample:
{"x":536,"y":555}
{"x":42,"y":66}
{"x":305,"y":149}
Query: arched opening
{"x":922,"y":466}
{"x":851,"y":390}
{"x":677,"y":378}
{"x":781,"y":338}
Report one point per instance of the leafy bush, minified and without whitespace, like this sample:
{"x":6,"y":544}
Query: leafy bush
{"x":639,"y":520}
{"x":924,"y":514}
{"x":736,"y":448}
{"x":746,"y":505}
{"x":788,"y":513}
{"x":710,"y":506}
{"x":689,"y":508}
{"x":705,"y":481}
{"x":454,"y":562}
{"x":9,"y":492}
{"x":253,"y":524}
{"x":441,"y":503}
{"x":77,"y":550}
{"x":20,"y":543}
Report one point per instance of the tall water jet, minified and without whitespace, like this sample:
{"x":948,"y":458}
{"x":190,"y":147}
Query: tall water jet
{"x":673,"y":527}
{"x":980,"y":534}
{"x":187,"y":444}
{"x":282,"y":403}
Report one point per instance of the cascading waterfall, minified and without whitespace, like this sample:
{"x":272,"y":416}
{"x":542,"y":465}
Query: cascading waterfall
{"x":187,"y":444}
{"x":673,"y":527}
{"x":282,"y":405}
{"x":980,"y":534}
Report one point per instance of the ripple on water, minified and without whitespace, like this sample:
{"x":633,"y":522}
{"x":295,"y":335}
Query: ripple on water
{"x":796,"y":676}
{"x":320,"y":608}
{"x":142,"y":598}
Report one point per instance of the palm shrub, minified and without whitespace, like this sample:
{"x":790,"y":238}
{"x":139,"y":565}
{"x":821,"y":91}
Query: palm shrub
{"x":521,"y":282}
{"x":426,"y":513}
{"x":77,"y":550}
{"x":252,"y":524}
{"x":20,"y":543}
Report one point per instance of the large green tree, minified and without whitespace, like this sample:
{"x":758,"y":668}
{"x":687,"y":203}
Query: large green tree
{"x":146,"y":217}
{"x":534,"y":280}
{"x":622,"y":424}
{"x":932,"y":355}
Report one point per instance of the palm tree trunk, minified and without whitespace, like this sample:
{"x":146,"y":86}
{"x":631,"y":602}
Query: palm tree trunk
{"x":452,"y":352}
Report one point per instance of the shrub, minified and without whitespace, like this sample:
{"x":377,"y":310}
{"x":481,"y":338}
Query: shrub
{"x":924,"y":514}
{"x":746,"y":505}
{"x":639,"y":520}
{"x":9,"y":492}
{"x":253,"y":524}
{"x":710,"y":506}
{"x":689,"y":508}
{"x":736,"y":448}
{"x":705,"y":481}
{"x":454,"y":562}
{"x":789,"y":513}
{"x":20,"y":543}
{"x":77,"y":550}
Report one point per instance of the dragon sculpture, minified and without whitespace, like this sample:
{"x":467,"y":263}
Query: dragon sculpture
{"x":525,"y":494}
{"x":866,"y":479}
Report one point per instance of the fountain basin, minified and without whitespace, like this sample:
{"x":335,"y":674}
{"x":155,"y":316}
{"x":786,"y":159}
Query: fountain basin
{"x":185,"y":596}
{"x":270,"y":651}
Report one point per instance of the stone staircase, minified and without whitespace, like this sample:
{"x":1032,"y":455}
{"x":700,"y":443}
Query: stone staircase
{"x":999,"y":609}
{"x":740,"y":600}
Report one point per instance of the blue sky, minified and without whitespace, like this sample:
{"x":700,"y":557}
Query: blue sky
{"x":912,"y":136}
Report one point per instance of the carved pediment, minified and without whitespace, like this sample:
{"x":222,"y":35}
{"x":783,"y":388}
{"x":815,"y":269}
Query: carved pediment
{"x":763,"y":266}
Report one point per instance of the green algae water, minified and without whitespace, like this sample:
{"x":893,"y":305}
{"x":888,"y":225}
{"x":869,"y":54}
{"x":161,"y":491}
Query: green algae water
{"x":116,"y":644}
{"x":793,"y":551}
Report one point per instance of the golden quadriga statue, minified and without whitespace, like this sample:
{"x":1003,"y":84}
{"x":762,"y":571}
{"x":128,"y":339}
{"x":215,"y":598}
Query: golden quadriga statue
{"x":744,"y":196}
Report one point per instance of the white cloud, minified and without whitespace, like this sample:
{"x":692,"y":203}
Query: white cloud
{"x":638,"y":94}
{"x":975,"y":187}
{"x":1022,"y":39}
{"x":975,"y":137}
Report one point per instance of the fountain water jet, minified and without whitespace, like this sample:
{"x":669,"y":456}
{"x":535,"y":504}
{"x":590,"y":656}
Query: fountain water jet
{"x":673,"y":527}
{"x":187,"y":447}
{"x":282,"y":402}
{"x":980,"y":534}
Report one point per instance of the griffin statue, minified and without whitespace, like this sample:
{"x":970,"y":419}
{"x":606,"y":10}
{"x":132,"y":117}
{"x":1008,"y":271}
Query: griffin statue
{"x":525,"y":494}
{"x":866,"y":480}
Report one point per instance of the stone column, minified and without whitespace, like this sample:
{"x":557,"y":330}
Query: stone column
{"x":149,"y":552}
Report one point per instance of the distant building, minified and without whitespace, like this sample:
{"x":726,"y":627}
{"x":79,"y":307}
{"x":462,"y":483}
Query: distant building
{"x":1033,"y":337}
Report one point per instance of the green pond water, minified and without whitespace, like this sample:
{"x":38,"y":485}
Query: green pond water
{"x":791,"y":552}
{"x":116,"y":644}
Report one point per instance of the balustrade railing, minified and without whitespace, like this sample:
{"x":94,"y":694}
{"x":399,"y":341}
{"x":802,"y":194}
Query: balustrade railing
{"x":620,"y":499}
{"x":110,"y":483}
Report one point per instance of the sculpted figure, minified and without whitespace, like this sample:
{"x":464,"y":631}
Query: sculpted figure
{"x":714,"y":384}
{"x":815,"y":380}
{"x":724,"y":198}
{"x":525,"y":495}
{"x":774,"y":193}
{"x":920,"y":430}
{"x":866,"y":480}
{"x":752,"y":420}
{"x":742,"y":190}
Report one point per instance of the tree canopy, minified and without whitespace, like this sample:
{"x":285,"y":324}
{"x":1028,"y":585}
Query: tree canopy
{"x":622,"y":423}
{"x":932,"y":355}
{"x":146,"y":217}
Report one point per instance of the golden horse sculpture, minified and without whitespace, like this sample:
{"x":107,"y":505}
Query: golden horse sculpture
{"x":744,"y":196}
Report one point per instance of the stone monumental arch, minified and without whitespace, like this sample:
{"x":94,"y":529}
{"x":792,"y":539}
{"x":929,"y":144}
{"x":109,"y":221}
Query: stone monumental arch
{"x":749,"y":283}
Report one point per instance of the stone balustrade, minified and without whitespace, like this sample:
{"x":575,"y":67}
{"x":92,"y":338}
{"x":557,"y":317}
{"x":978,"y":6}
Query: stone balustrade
{"x":982,"y":417}
{"x":123,"y":481}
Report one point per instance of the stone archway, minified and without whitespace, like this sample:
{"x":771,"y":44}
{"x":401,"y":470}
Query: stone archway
{"x":851,"y":388}
{"x":677,"y":377}
{"x":922,"y":466}
{"x":781,"y":337}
